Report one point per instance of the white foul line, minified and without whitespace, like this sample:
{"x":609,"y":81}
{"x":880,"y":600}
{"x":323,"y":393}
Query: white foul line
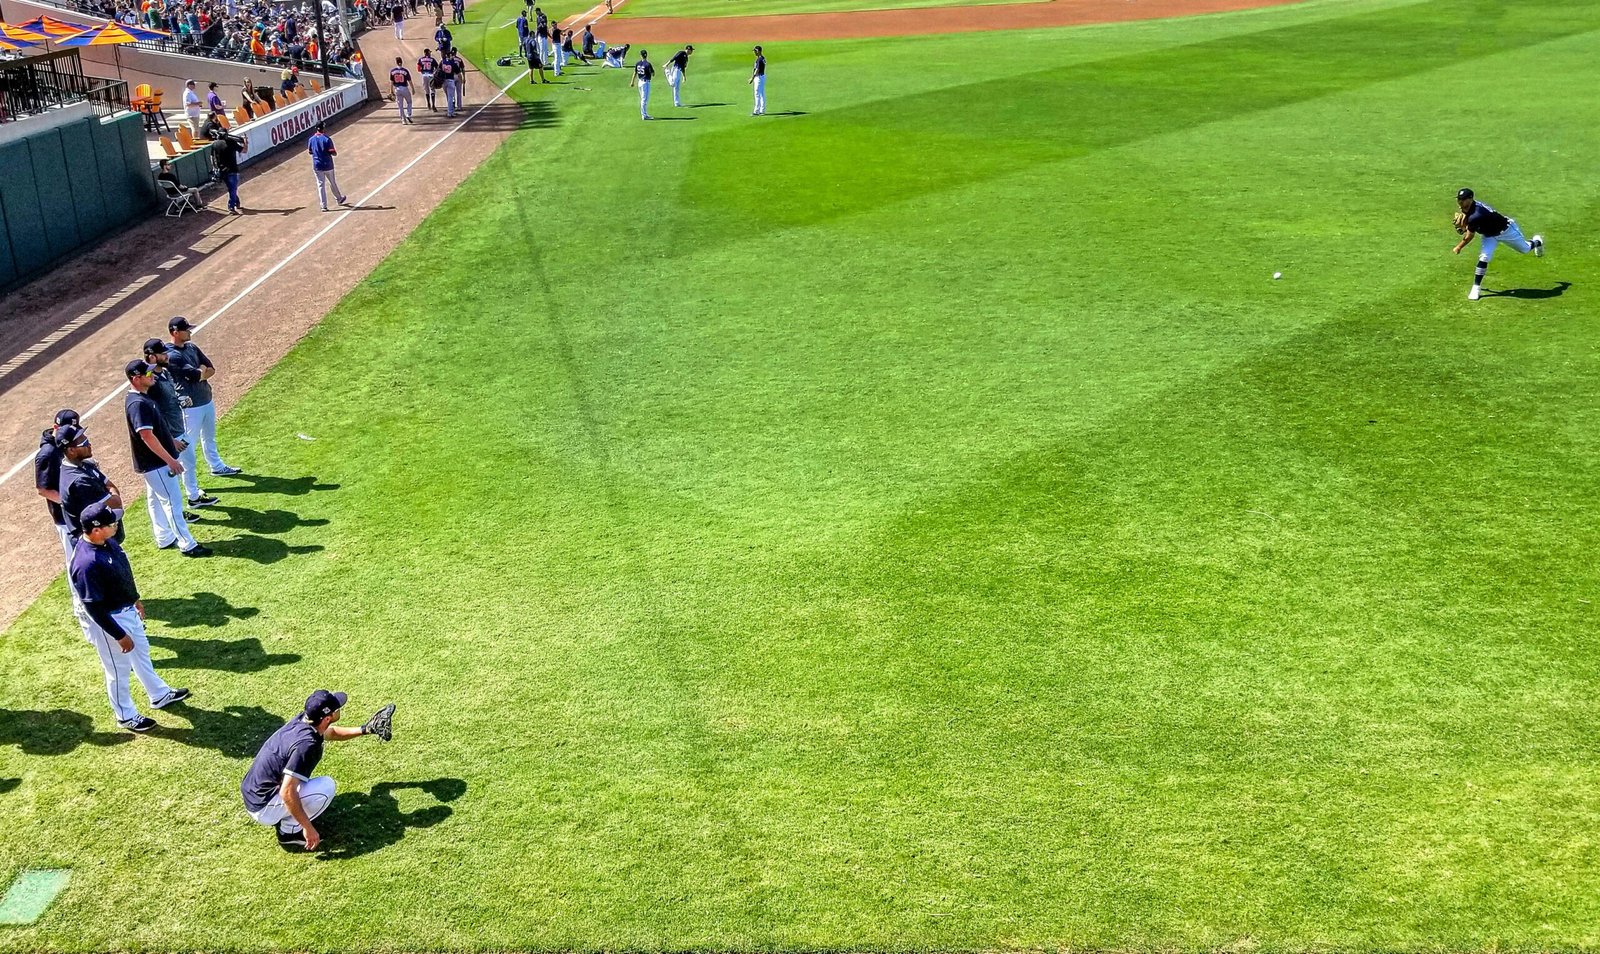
{"x":296,"y":253}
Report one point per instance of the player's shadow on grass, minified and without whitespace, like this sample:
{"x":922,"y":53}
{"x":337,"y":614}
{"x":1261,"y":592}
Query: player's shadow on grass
{"x":235,"y":731}
{"x":1556,"y":292}
{"x":268,"y":484}
{"x":223,"y":655}
{"x":359,"y":823}
{"x":201,"y":609}
{"x":788,"y":112}
{"x":262,"y":550}
{"x":9,"y":784}
{"x":706,"y":105}
{"x":52,"y":731}
{"x":263,"y":521}
{"x":673,"y":119}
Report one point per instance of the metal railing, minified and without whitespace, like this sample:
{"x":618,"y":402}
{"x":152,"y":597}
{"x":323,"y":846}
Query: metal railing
{"x":49,"y":81}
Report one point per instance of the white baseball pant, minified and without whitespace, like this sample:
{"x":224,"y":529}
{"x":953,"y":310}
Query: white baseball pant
{"x":316,"y":794}
{"x":324,"y":180}
{"x":761,"y":94}
{"x":118,"y":665}
{"x":644,"y":99}
{"x":1512,"y":236}
{"x":165,"y":501}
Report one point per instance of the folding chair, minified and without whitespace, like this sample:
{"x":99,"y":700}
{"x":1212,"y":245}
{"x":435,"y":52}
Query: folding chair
{"x":179,"y":200}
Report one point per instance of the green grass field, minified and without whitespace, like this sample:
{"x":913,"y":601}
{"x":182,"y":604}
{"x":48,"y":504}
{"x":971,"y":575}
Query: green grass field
{"x":916,"y":523}
{"x":741,"y":8}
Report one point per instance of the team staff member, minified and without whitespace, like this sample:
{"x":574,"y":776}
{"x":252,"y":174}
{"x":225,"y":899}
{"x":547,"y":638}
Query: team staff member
{"x":164,"y":391}
{"x":225,"y":150}
{"x":322,"y":153}
{"x":426,"y":67}
{"x":643,"y":73}
{"x":530,"y":52}
{"x":675,"y":68}
{"x":758,"y":79}
{"x":400,"y":79}
{"x":279,"y":789}
{"x":47,"y":475}
{"x":1475,"y":218}
{"x":155,"y":456}
{"x":103,"y":580}
{"x":192,"y":371}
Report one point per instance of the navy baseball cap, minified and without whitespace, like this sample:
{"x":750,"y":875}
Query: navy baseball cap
{"x":98,"y":515}
{"x":323,"y":703}
{"x":1463,"y":193}
{"x":154,"y":346}
{"x":137,"y":369}
{"x":179,"y":323}
{"x":66,"y":416}
{"x":71,"y":435}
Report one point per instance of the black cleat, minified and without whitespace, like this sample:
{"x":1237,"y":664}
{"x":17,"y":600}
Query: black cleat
{"x":173,"y":697}
{"x":204,"y":500}
{"x":291,"y":842}
{"x":141,"y":724}
{"x":198,"y":550}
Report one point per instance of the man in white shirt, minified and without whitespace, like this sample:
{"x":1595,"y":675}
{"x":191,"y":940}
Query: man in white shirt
{"x":192,"y":108}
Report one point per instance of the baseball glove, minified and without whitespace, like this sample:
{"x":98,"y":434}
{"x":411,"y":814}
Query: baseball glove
{"x":381,"y":724}
{"x":1460,"y":223}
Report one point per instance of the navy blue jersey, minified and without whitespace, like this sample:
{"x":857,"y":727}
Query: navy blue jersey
{"x":82,"y":486}
{"x":103,"y":581}
{"x":292,"y":751}
{"x":144,"y":415}
{"x":643,"y":71}
{"x":185,"y":361}
{"x":1483,"y":220}
{"x":400,"y":76}
{"x":47,"y":473}
{"x":680,"y":61}
{"x":761,"y":66}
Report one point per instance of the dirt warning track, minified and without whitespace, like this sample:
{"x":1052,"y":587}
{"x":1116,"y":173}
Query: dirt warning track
{"x":912,"y":21}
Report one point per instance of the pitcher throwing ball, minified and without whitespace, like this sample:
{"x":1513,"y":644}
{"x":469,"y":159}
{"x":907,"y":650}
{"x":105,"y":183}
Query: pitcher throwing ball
{"x":279,"y":789}
{"x":1477,"y":219}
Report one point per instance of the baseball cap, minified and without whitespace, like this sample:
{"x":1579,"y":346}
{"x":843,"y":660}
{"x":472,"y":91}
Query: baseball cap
{"x":154,"y":346}
{"x":97,"y":515}
{"x":179,"y":323}
{"x":323,"y":703}
{"x":137,"y":368}
{"x":70,"y":435}
{"x":66,"y":416}
{"x":1463,"y":193}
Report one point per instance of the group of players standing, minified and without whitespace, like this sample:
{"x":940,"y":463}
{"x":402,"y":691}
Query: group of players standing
{"x":170,"y":414}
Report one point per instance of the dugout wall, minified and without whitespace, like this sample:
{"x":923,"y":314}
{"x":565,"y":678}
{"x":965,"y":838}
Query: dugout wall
{"x":65,"y":186}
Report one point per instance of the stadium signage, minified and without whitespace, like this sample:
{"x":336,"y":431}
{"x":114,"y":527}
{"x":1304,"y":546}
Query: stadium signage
{"x":286,"y":125}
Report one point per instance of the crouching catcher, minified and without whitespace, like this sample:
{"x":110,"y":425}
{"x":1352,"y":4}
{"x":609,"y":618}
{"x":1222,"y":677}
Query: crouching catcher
{"x":279,"y":790}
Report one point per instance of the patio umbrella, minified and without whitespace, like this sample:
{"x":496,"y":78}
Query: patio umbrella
{"x":20,"y":36}
{"x":6,"y":44}
{"x":51,"y":27}
{"x":112,"y":35}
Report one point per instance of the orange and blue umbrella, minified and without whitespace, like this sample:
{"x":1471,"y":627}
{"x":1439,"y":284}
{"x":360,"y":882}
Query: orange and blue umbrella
{"x":111,"y":34}
{"x":16,"y":36}
{"x":48,"y":27}
{"x":6,"y":44}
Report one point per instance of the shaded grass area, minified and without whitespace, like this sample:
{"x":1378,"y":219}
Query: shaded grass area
{"x":920,"y":523}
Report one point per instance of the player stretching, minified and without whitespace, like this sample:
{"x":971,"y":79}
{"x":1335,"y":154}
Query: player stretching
{"x":1475,"y":218}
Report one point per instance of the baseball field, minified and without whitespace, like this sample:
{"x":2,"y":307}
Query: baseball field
{"x":912,"y":520}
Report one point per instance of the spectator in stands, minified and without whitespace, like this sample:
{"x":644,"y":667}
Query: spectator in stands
{"x":167,"y":174}
{"x":191,"y":107}
{"x":219,"y":110}
{"x":289,"y":79}
{"x":249,"y":100}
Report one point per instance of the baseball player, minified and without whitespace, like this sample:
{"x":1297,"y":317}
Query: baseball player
{"x":400,"y":80}
{"x":452,"y":83}
{"x":165,"y":392}
{"x":558,"y":51}
{"x":643,"y":72}
{"x":426,"y":67}
{"x":758,"y":79}
{"x":47,"y":475}
{"x":530,"y":52}
{"x":1475,"y":218}
{"x":675,"y":68}
{"x":155,"y":457}
{"x":192,"y":371}
{"x":279,"y":789}
{"x":103,"y":580}
{"x":322,"y":153}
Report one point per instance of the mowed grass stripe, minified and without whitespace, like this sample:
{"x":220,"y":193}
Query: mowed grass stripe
{"x":926,"y":575}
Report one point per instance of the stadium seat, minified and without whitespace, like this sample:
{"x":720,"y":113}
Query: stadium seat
{"x":240,"y":117}
{"x":316,"y":87}
{"x":171,"y":150}
{"x":185,"y":139}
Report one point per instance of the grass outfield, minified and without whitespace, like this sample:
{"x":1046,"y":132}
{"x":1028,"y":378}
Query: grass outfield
{"x":920,"y":523}
{"x":742,"y":8}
